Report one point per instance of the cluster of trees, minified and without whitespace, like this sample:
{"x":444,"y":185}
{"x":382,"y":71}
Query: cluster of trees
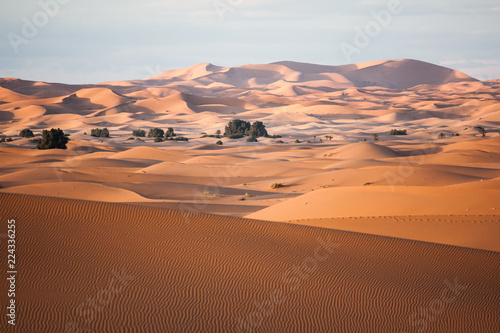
{"x":98,"y":132}
{"x":238,"y":128}
{"x":159,"y":135}
{"x":9,"y":139}
{"x":139,"y":133}
{"x":53,"y":139}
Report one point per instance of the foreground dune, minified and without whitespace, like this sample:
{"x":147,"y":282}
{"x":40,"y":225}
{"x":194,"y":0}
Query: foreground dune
{"x":93,"y":266}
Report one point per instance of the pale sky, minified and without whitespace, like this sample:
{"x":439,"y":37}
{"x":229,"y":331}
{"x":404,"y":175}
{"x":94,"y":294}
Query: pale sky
{"x":91,"y":41}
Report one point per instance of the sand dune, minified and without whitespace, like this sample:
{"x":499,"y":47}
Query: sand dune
{"x":151,"y":269}
{"x":81,"y":190}
{"x":473,"y":231}
{"x":384,"y":201}
{"x":362,"y":150}
{"x":111,"y":235}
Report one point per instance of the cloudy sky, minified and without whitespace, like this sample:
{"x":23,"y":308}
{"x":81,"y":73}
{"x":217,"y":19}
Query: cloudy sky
{"x":91,"y":41}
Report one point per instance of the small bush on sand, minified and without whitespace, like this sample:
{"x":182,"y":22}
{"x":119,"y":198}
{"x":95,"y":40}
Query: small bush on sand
{"x":139,"y":133}
{"x":26,"y":133}
{"x":398,"y":132}
{"x":219,"y":143}
{"x":276,"y":185}
{"x":170,"y":133}
{"x":156,"y":132}
{"x":98,"y":132}
{"x":252,"y":139}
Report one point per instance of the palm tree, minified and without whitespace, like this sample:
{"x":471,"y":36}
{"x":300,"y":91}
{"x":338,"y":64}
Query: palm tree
{"x":441,"y":136}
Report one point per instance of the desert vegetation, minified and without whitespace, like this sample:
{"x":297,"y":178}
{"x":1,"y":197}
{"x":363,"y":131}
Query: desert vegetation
{"x":53,"y":139}
{"x":139,"y":133}
{"x":26,"y":133}
{"x":398,"y":132}
{"x":179,"y":138}
{"x":170,"y":133}
{"x":156,"y":133}
{"x":238,"y":128}
{"x":98,"y":132}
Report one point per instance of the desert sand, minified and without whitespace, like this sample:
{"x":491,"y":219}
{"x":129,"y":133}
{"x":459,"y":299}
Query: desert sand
{"x":94,"y":266}
{"x":200,"y":238}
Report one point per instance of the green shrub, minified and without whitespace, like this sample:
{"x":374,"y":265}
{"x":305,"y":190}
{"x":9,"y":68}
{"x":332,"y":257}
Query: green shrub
{"x":297,"y":141}
{"x":53,"y":139}
{"x":276,"y":185}
{"x":97,"y":132}
{"x":398,"y":132}
{"x":181,"y":138}
{"x":257,"y":130}
{"x":219,"y":143}
{"x":139,"y":133}
{"x":26,"y":133}
{"x":156,"y":132}
{"x":252,"y":139}
{"x":9,"y":139}
{"x":237,"y":128}
{"x":158,"y":139}
{"x":170,"y":133}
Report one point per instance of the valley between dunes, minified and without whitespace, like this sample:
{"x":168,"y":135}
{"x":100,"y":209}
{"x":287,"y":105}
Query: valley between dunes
{"x":362,"y":231}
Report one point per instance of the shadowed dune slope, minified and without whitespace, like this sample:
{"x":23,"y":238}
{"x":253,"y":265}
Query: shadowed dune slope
{"x":93,"y":266}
